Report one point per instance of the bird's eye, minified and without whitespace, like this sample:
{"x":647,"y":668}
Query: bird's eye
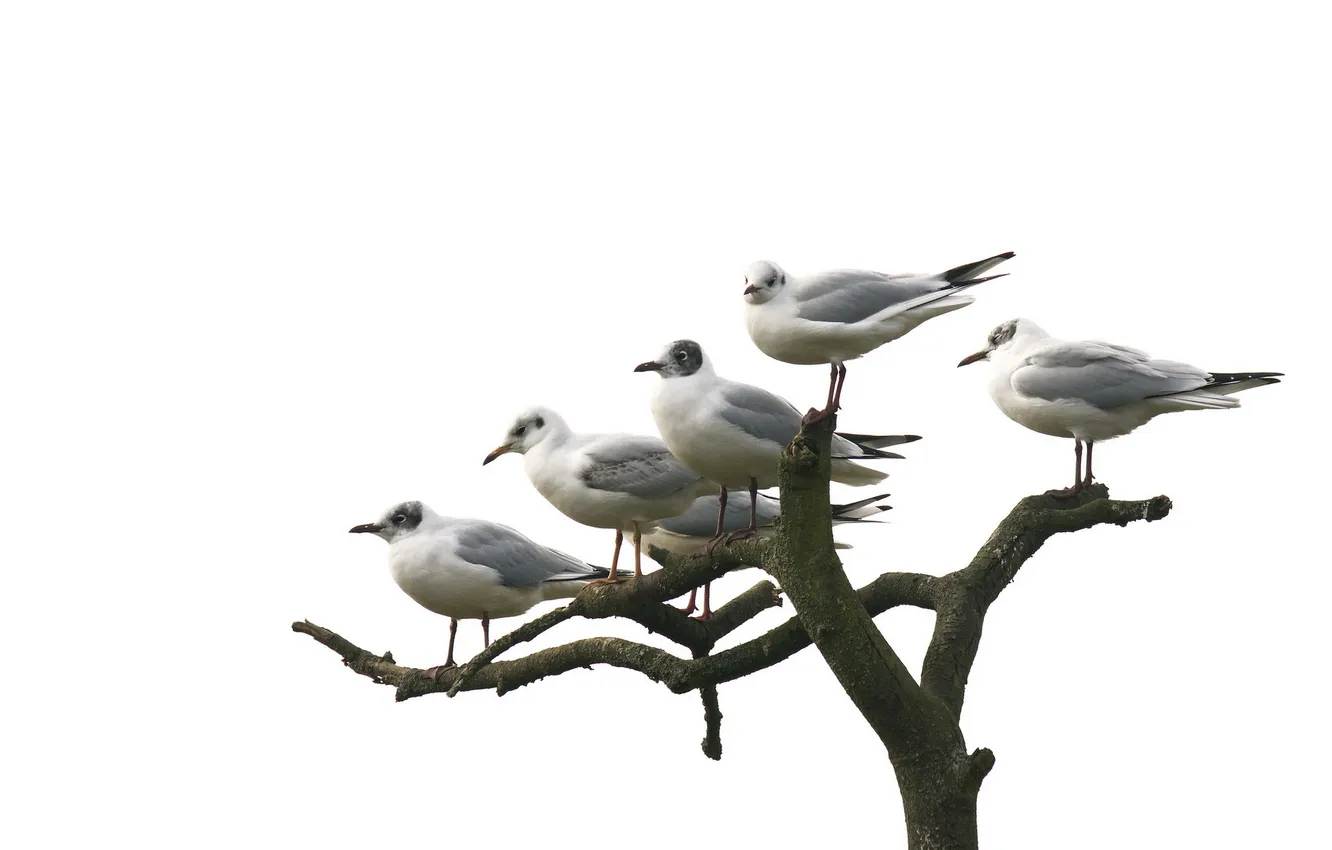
{"x":399,"y":519}
{"x":746,"y":281}
{"x":681,"y":354}
{"x":520,"y":430}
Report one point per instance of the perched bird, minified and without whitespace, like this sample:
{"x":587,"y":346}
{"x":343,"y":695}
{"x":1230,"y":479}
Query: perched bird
{"x":473,"y":569}
{"x":683,"y":534}
{"x":841,"y":315}
{"x":733,"y":433}
{"x":1093,"y":391}
{"x":620,"y":481}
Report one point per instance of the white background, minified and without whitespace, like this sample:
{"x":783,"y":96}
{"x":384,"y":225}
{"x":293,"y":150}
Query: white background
{"x":272,"y":267}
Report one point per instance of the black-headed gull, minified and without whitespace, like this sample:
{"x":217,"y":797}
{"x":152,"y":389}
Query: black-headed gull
{"x":841,"y":315}
{"x":473,"y":569}
{"x":683,"y":534}
{"x":619,"y":481}
{"x":733,"y":433}
{"x":1093,"y":391}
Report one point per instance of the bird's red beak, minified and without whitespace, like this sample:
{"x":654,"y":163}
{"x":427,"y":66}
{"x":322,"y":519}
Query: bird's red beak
{"x":972,"y":358}
{"x":496,"y":453}
{"x":751,"y":289}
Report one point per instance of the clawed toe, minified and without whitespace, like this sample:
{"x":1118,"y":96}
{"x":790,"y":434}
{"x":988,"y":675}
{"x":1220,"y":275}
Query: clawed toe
{"x":436,"y":672}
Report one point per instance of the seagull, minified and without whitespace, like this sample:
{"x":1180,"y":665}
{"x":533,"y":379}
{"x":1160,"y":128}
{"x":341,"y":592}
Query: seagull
{"x":683,"y":534}
{"x":1093,"y":391}
{"x":472,"y":569}
{"x":733,"y":433}
{"x":841,"y":315}
{"x":620,"y":481}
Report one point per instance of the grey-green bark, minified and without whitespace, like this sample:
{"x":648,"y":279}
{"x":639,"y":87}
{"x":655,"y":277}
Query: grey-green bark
{"x":916,"y":719}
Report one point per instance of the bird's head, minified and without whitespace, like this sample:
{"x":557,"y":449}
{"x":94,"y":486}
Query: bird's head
{"x":1006,"y":337}
{"x":529,"y":429}
{"x":397,"y":522}
{"x":763,"y":280}
{"x":682,"y":358}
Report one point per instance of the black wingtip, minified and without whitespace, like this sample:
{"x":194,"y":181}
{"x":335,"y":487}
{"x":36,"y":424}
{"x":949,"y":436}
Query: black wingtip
{"x":963,"y":273}
{"x":1239,"y":377}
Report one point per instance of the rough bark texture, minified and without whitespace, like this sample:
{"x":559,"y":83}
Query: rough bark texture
{"x":916,"y":720}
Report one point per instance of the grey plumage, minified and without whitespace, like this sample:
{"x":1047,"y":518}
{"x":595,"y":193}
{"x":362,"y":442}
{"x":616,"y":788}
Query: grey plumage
{"x":519,"y":561}
{"x":1111,"y":376}
{"x":765,"y":416}
{"x":639,"y":466}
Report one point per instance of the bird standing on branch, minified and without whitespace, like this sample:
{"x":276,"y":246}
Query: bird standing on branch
{"x":1093,"y":391}
{"x":620,"y":481}
{"x":473,"y":569}
{"x":734,"y":433}
{"x":841,"y":315}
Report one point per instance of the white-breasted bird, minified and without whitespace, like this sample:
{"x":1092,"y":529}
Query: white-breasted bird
{"x":473,"y":569}
{"x":1092,"y":391}
{"x":620,"y":481}
{"x":841,"y":315}
{"x":733,"y":433}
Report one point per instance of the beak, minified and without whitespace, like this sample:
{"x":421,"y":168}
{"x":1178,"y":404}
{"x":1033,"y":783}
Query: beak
{"x":650,"y":366}
{"x":368,"y":528}
{"x":502,"y":450}
{"x":972,"y":358}
{"x":751,"y":289}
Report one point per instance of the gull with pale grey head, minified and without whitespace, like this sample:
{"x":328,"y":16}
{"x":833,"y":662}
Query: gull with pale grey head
{"x":733,"y":433}
{"x":836,"y":316}
{"x":620,"y":481}
{"x":1092,"y":391}
{"x":473,"y":569}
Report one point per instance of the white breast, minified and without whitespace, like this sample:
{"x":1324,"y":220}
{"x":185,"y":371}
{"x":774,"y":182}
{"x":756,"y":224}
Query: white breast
{"x":425,"y":569}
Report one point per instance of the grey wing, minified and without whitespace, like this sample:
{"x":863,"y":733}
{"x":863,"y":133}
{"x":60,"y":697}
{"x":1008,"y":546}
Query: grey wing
{"x":1104,"y":375}
{"x":639,"y":466}
{"x":519,"y":561}
{"x":759,"y":413}
{"x":848,"y":297}
{"x":701,"y":518}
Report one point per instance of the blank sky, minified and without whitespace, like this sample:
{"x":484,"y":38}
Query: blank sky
{"x":273,"y":267}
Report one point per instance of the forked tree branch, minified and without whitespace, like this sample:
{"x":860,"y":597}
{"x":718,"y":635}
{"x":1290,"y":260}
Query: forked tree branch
{"x":964,"y":596}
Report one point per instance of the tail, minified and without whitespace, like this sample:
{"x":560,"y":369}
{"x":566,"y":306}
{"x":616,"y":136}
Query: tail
{"x":1225,"y":383}
{"x":592,"y":574}
{"x":1215,"y":394}
{"x":870,"y":444}
{"x":846,"y":472}
{"x":966,"y":275}
{"x":860,"y":511}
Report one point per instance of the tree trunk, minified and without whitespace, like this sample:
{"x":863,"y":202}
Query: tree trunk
{"x":936,"y":818}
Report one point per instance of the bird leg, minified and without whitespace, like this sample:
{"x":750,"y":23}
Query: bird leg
{"x":691,"y":607}
{"x":638,"y":554}
{"x":707,"y":603}
{"x":706,"y":549}
{"x":1087,"y":481}
{"x":743,"y":533}
{"x":841,"y":379}
{"x":1078,"y":484}
{"x":836,"y":377}
{"x":721,"y":526}
{"x":485,"y":629}
{"x":434,"y":672}
{"x":615,"y":560}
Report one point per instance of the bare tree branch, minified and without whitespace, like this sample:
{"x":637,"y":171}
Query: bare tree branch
{"x":964,"y":596}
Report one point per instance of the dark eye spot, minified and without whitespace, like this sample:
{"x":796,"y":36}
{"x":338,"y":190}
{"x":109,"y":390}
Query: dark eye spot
{"x":520,"y":430}
{"x":680,"y":354}
{"x":540,"y":423}
{"x":399,"y":519}
{"x":746,"y":281}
